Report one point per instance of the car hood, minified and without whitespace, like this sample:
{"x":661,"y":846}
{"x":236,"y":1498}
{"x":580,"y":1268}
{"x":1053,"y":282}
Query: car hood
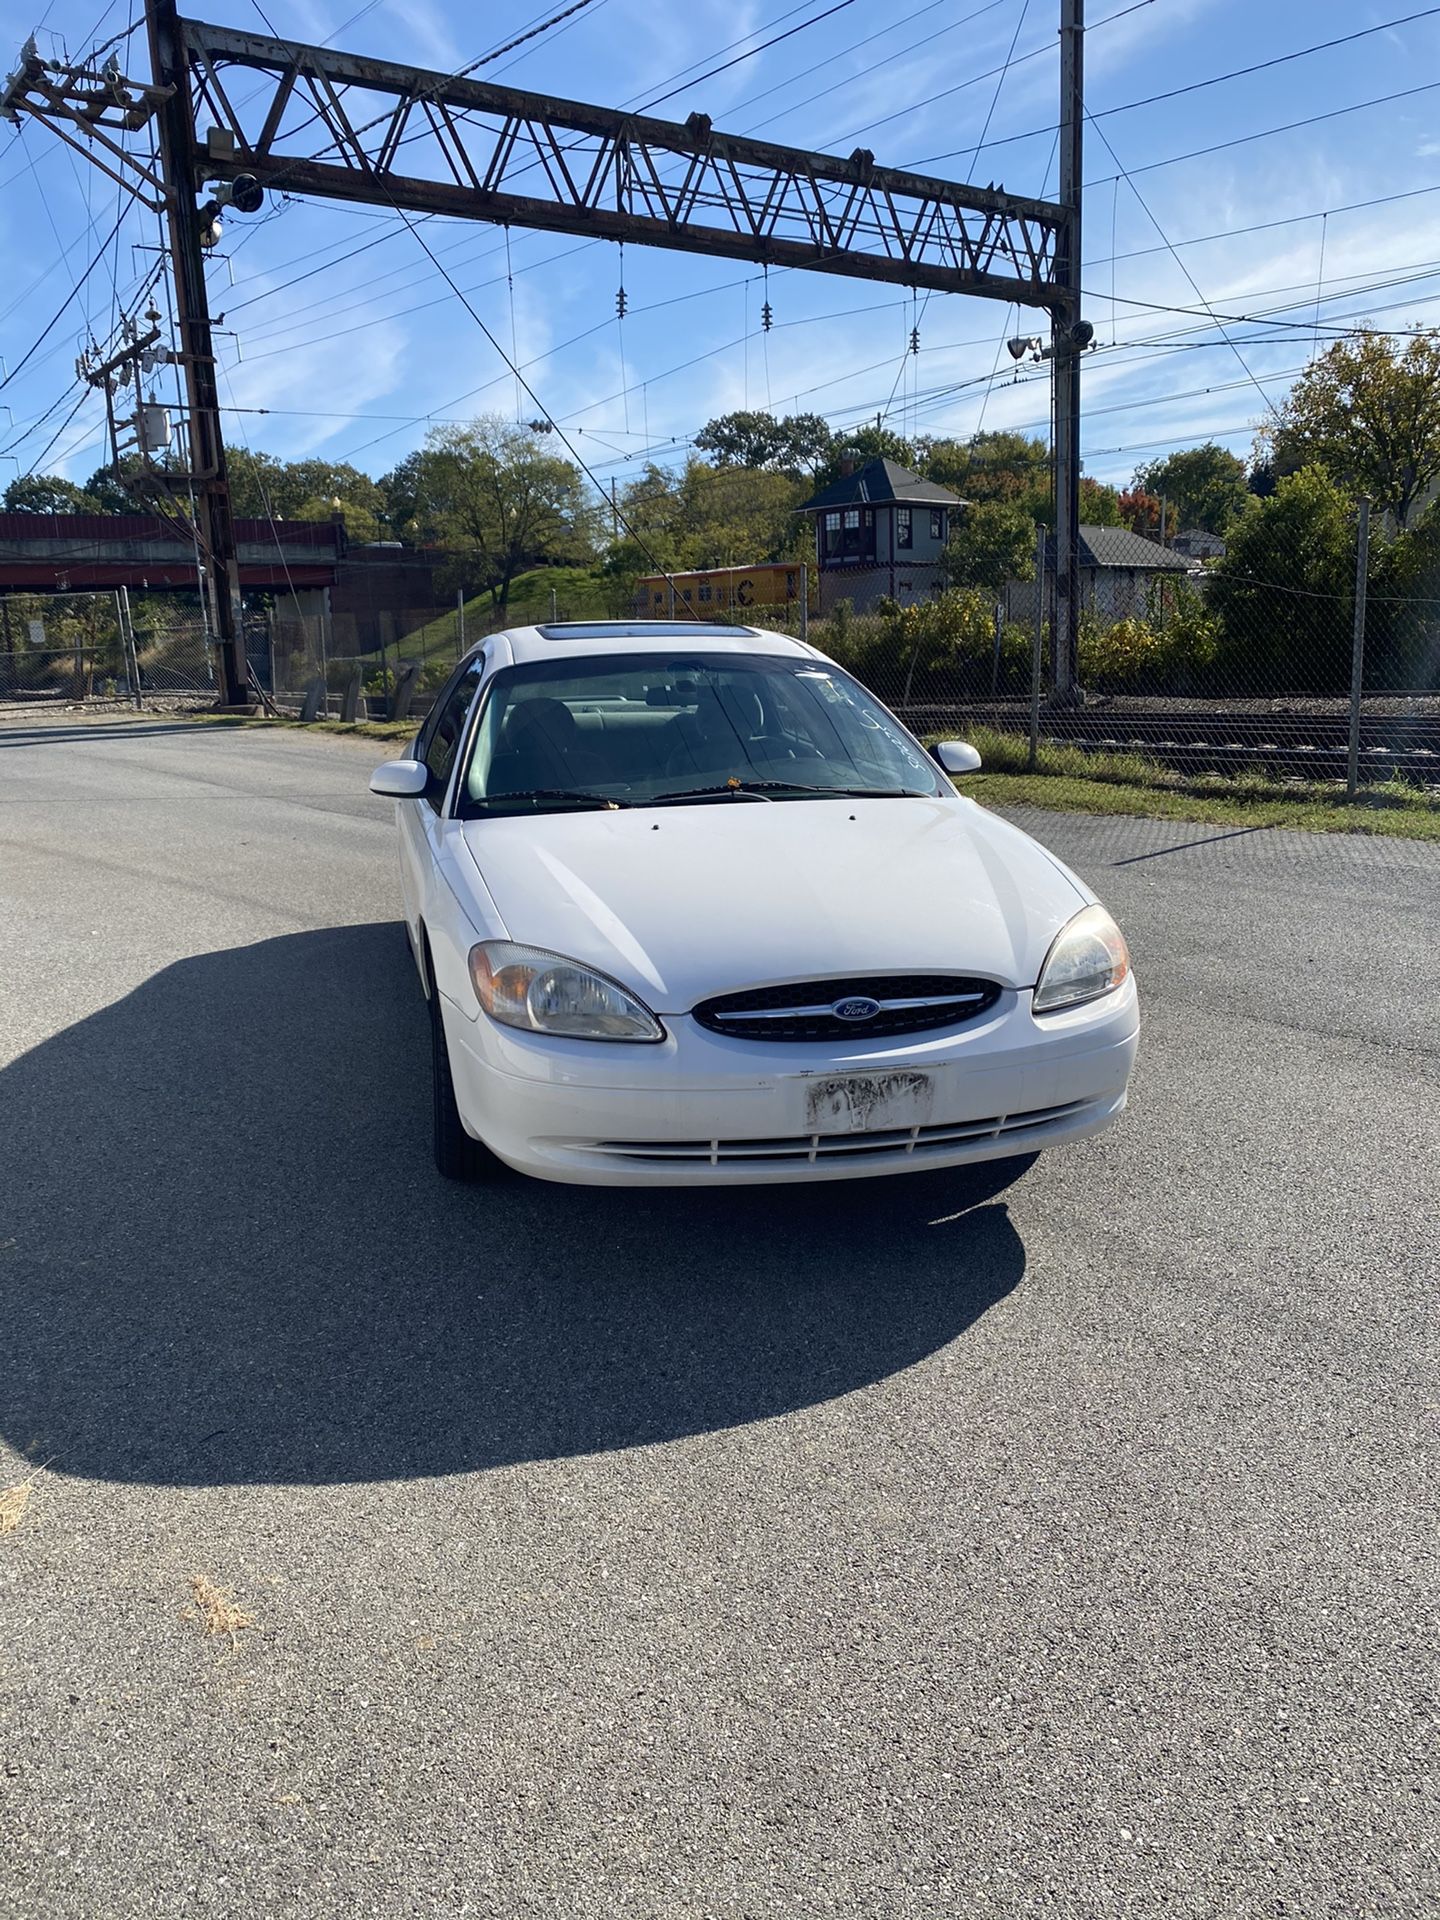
{"x":687,"y":901}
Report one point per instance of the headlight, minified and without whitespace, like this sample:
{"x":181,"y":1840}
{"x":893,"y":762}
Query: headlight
{"x":1087,"y":958}
{"x":542,"y":993}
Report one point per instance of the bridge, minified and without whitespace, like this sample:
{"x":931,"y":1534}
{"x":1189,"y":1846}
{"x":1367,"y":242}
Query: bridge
{"x":84,"y":552}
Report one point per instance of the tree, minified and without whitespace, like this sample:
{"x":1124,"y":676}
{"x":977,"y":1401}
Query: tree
{"x":1140,"y":511}
{"x":1201,"y":486}
{"x":1262,"y":479}
{"x":263,"y":487}
{"x":47,"y":493}
{"x":1368,"y":412}
{"x":502,"y":501}
{"x":870,"y":442}
{"x":361,"y":525}
{"x":990,"y":544}
{"x":1283,"y":589}
{"x":707,"y":516}
{"x":1099,"y":504}
{"x":990,"y":466}
{"x":733,"y":517}
{"x":799,"y":444}
{"x":106,"y":489}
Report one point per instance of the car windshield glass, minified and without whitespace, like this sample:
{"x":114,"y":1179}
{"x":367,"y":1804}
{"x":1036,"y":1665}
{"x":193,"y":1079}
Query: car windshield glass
{"x":699,"y":729}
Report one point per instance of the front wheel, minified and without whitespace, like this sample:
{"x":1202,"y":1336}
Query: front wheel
{"x":457,"y":1156}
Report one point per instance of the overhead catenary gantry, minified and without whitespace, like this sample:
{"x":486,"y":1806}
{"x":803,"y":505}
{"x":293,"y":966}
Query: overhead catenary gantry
{"x":340,"y":126}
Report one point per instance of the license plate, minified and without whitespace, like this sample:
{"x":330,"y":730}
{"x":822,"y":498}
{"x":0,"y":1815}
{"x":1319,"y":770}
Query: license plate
{"x":868,"y":1102}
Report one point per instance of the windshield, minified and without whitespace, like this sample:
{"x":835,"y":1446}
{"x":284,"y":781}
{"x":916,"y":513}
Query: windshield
{"x":651,"y":729}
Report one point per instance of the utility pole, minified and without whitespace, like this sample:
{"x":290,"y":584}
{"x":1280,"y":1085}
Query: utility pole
{"x":180,"y":165}
{"x":1070,"y":336}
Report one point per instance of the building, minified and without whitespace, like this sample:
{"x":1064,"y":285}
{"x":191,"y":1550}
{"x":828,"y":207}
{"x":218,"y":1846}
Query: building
{"x":880,"y":531}
{"x":1119,"y":571}
{"x":719,"y":590}
{"x":1198,"y":543}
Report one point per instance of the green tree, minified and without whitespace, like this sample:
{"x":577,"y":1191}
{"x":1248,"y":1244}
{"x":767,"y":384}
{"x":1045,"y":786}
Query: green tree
{"x":110,"y":495}
{"x":1099,"y":504}
{"x":799,"y":444}
{"x":991,"y":542}
{"x":361,"y":525}
{"x":1201,"y":486}
{"x":264,"y":487}
{"x":1283,"y":590}
{"x":991,"y":466}
{"x":871,"y":442}
{"x":1368,"y":412}
{"x":48,"y":493}
{"x":735,"y":517}
{"x":502,"y":501}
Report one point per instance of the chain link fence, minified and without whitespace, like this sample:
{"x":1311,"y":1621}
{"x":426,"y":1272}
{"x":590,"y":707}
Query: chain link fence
{"x":1201,"y":681}
{"x":63,"y":649}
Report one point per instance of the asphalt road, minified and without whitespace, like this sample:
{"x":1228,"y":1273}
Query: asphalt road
{"x":1053,"y":1542}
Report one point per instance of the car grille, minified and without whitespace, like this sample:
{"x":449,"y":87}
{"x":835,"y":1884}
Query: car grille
{"x":804,"y":1010}
{"x":904,"y":1142}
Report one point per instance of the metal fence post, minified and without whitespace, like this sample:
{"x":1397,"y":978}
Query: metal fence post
{"x":1357,"y":658}
{"x":459,"y":625}
{"x":1037,"y":649}
{"x":127,"y":644}
{"x":804,"y":599}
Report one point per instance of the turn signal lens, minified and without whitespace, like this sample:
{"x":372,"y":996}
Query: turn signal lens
{"x":541,"y":992}
{"x":1088,"y":958}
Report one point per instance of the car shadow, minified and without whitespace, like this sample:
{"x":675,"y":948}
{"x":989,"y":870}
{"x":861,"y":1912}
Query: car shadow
{"x":227,"y":1258}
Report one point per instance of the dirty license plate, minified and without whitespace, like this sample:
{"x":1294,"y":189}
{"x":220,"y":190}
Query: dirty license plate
{"x":867,"y":1102}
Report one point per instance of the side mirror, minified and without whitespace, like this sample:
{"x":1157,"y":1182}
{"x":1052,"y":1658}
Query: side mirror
{"x":957,"y":756}
{"x":401,"y":779}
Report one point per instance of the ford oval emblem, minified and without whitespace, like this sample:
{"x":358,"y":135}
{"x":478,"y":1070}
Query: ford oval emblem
{"x":856,"y":1009}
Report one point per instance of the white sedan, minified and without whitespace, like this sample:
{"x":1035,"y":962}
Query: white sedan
{"x":690,"y":907}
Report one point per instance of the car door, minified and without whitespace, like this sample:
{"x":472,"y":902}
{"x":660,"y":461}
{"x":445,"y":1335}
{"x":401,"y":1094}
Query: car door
{"x":437,"y":745}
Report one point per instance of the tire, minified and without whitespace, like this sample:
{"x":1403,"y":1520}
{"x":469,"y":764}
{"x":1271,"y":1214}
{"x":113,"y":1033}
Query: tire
{"x":457,"y":1156}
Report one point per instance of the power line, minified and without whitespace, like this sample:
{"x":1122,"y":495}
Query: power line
{"x":1198,"y":86}
{"x":522,"y":381}
{"x":1269,"y":133}
{"x":914,"y":345}
{"x":58,"y":314}
{"x":749,"y":54}
{"x":1150,"y":216}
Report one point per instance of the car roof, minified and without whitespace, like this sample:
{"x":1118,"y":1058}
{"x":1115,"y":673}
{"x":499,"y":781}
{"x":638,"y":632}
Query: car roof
{"x":591,"y":637}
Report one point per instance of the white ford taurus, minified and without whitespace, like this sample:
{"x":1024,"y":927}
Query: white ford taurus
{"x":691,"y":907}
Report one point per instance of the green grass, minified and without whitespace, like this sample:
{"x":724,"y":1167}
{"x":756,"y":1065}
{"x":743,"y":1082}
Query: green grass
{"x":1068,"y":780}
{"x":581,"y":593}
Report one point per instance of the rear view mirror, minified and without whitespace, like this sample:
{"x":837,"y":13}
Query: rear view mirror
{"x":957,"y":756}
{"x":401,"y":779}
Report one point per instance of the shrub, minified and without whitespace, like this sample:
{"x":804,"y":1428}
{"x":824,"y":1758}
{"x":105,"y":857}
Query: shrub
{"x":1113,"y":658}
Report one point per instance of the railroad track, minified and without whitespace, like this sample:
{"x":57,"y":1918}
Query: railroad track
{"x":1193,"y":741}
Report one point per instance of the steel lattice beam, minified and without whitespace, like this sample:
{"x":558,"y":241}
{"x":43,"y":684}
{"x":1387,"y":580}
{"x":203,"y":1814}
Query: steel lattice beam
{"x":345,"y":127}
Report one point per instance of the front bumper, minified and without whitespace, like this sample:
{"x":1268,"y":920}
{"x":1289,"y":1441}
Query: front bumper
{"x":705,"y":1110}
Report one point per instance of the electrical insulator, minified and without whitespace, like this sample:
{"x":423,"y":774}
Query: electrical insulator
{"x":767,"y":318}
{"x":915,"y":340}
{"x":622,"y":304}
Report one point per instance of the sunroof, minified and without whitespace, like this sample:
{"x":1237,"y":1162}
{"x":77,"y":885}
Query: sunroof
{"x":640,"y":630}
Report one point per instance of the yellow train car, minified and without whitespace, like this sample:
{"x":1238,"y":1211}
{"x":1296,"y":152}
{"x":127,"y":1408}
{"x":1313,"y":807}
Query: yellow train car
{"x":719,"y":590}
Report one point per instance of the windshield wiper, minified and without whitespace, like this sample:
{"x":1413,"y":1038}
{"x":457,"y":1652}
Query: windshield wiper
{"x":555,"y":793}
{"x":730,"y":790}
{"x":742,"y":789}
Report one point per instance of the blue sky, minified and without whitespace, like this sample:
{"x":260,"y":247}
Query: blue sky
{"x":356,"y":359}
